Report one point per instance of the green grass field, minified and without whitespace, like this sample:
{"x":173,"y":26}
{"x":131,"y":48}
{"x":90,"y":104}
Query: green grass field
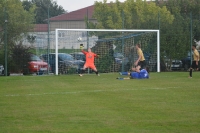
{"x":166,"y":103}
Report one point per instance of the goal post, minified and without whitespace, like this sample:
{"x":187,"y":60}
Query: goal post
{"x":121,"y":35}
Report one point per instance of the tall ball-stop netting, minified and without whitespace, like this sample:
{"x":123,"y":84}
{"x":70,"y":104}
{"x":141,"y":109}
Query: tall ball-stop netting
{"x":116,"y":49}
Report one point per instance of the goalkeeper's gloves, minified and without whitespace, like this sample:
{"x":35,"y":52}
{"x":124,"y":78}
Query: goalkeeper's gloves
{"x":81,"y":46}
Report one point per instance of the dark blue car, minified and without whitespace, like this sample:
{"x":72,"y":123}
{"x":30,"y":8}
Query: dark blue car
{"x":65,"y":62}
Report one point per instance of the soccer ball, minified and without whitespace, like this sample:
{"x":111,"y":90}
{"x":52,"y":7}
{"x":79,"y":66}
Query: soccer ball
{"x":79,"y":39}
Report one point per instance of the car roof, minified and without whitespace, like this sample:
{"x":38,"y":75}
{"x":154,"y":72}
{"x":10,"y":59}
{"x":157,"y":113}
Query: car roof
{"x":58,"y":53}
{"x":77,"y":53}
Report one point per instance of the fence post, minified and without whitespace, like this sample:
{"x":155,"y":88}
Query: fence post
{"x":158,"y":47}
{"x":48,"y":49}
{"x":5,"y":41}
{"x":191,"y":38}
{"x":123,"y":41}
{"x":87,"y":35}
{"x":159,"y":20}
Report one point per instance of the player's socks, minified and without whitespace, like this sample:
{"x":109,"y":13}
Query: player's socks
{"x":190,"y":72}
{"x":120,"y":78}
{"x":123,"y":73}
{"x":81,"y":72}
{"x":97,"y":73}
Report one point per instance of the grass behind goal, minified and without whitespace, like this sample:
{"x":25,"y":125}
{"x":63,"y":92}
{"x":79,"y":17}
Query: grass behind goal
{"x":167,"y":102}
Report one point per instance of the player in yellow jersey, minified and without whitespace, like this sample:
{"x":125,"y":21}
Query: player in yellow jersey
{"x":195,"y":60}
{"x":141,"y":60}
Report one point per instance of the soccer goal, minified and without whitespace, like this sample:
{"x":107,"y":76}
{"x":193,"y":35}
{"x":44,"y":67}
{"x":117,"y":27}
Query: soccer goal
{"x":115,"y":47}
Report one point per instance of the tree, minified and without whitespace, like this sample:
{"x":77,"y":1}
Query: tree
{"x":190,"y":9}
{"x":175,"y":38}
{"x":20,"y":56}
{"x":108,"y":15}
{"x":42,"y":7}
{"x":135,"y":14}
{"x":19,"y":21}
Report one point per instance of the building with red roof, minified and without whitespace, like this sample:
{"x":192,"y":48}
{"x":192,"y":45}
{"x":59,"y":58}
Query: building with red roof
{"x":72,"y":20}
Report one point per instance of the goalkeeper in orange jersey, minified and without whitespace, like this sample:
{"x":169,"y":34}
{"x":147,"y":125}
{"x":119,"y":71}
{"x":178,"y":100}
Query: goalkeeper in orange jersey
{"x":89,"y":63}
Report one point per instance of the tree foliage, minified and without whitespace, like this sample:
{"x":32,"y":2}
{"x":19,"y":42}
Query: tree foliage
{"x":135,"y":15}
{"x":19,"y":21}
{"x":42,"y":7}
{"x":175,"y":37}
{"x":20,"y":56}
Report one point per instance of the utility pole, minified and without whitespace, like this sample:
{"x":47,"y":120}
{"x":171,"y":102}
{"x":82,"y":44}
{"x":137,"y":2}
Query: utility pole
{"x":48,"y":49}
{"x":191,"y":39}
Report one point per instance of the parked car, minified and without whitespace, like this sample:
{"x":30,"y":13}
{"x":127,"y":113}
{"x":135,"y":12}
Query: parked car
{"x":1,"y":70}
{"x":35,"y":65}
{"x":187,"y":61}
{"x":65,"y":62}
{"x":119,"y":58}
{"x":176,"y":65}
{"x":78,"y":56}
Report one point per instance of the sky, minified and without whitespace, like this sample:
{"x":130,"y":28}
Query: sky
{"x":72,"y":5}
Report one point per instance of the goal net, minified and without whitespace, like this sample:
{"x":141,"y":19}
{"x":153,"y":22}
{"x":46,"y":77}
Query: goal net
{"x":116,"y":49}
